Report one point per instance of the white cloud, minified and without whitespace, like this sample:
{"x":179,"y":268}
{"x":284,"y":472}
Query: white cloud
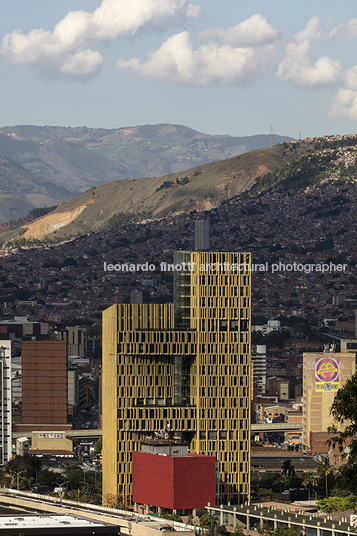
{"x":193,"y":11}
{"x":220,"y":60}
{"x":350,"y":77}
{"x":66,"y":51}
{"x":345,"y":30}
{"x":344,"y":105}
{"x":82,"y":64}
{"x":311,"y":32}
{"x":254,"y":31}
{"x":296,"y":67}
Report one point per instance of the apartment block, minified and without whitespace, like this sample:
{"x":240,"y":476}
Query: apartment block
{"x":44,"y":386}
{"x":75,"y":336}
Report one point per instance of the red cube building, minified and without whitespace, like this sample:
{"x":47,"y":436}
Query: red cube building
{"x":174,"y":482}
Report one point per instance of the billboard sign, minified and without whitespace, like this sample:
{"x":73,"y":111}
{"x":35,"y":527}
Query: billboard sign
{"x":327,"y":374}
{"x":51,"y":435}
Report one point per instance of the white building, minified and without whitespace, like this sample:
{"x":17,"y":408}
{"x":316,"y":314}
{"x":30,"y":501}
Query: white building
{"x":5,"y":405}
{"x":259,"y":360}
{"x":272,"y":325}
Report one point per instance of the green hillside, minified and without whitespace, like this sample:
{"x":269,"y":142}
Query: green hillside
{"x":198,"y":189}
{"x":288,"y":167}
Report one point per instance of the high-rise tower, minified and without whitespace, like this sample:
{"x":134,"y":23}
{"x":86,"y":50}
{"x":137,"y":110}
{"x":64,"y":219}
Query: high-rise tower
{"x":201,"y":235}
{"x":44,"y":386}
{"x":324,"y":374}
{"x":184,"y":367}
{"x":5,"y":402}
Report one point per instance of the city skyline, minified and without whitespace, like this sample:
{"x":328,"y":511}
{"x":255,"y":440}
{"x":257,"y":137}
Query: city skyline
{"x":109,"y":64}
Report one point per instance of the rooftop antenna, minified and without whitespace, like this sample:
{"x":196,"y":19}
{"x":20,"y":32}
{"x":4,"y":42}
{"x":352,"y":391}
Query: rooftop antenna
{"x":271,"y":136}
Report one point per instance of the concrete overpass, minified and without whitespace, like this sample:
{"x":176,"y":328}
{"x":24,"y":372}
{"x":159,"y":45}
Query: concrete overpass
{"x":128,"y":522}
{"x":307,"y":523}
{"x":277,"y":427}
{"x":96,"y":433}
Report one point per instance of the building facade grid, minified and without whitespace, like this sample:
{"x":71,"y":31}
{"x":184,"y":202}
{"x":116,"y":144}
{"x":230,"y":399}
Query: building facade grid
{"x":159,"y":373}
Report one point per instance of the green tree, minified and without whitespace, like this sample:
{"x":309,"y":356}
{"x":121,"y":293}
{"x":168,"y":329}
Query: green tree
{"x":283,"y":530}
{"x":29,"y":463}
{"x":344,"y":412}
{"x":238,"y":531}
{"x":287,"y":468}
{"x":310,"y":479}
{"x":221,"y":530}
{"x":287,"y":531}
{"x":171,"y":516}
{"x":338,"y":504}
{"x":209,"y":521}
{"x":270,"y":481}
{"x":264,"y":494}
{"x":30,"y":470}
{"x":45,"y":477}
{"x":325,"y":469}
{"x":74,"y":477}
{"x":98,"y":445}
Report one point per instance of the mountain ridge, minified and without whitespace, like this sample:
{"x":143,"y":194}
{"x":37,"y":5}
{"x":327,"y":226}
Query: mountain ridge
{"x":139,"y":151}
{"x":21,"y":191}
{"x":198,"y":189}
{"x":77,"y":159}
{"x":311,"y":163}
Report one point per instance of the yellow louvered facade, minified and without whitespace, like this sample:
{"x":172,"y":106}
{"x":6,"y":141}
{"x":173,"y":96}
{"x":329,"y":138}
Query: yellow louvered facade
{"x":185,"y":365}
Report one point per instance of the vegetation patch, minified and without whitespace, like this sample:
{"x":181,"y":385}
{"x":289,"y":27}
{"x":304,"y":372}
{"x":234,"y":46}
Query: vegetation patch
{"x":164,"y":185}
{"x":120,"y":219}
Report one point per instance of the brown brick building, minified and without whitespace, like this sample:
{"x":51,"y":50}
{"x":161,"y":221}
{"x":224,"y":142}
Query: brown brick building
{"x":44,"y":386}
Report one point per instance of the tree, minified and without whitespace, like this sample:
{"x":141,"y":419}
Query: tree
{"x":283,"y":530}
{"x":120,"y":501}
{"x":25,"y":468}
{"x":337,"y":504}
{"x":287,"y":531}
{"x":324,"y":468}
{"x":264,"y":494}
{"x":310,"y":479}
{"x":75,"y":477}
{"x":287,"y":468}
{"x":344,"y":412}
{"x":98,"y":445}
{"x":238,"y":531}
{"x":171,"y":516}
{"x":30,"y":470}
{"x":209,"y":521}
{"x":29,"y":463}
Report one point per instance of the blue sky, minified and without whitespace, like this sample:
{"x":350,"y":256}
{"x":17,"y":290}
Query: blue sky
{"x":227,"y":67}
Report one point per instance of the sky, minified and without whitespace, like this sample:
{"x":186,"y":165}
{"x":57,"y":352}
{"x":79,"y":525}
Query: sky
{"x":219,"y":67}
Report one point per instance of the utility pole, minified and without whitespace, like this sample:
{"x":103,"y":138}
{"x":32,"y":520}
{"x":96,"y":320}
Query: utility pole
{"x":18,"y":479}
